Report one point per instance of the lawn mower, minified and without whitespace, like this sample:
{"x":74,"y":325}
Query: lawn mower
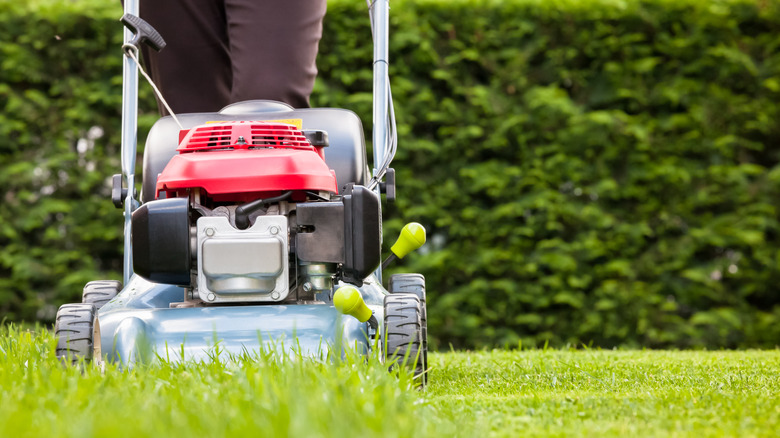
{"x":257,"y":226}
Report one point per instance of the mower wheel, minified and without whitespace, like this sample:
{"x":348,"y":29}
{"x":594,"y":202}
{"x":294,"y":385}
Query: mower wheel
{"x":100,"y":292}
{"x":403,"y":333}
{"x":78,"y":333}
{"x":413,"y":284}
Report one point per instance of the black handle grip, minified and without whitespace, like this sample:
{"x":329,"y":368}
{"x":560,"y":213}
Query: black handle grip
{"x":144,"y":32}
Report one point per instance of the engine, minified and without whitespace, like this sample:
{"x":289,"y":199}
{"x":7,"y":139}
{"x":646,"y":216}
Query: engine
{"x":249,"y":212}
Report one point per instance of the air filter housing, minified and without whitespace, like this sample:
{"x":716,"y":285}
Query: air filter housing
{"x":161,"y":241}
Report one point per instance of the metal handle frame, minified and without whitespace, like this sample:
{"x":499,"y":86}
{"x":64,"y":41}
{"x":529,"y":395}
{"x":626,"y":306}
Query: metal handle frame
{"x":129,"y":142}
{"x":380,"y":136}
{"x":383,"y":140}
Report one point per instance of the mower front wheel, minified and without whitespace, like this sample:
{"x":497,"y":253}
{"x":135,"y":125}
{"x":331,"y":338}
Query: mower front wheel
{"x":403,"y":333}
{"x":100,"y":292}
{"x":78,"y":333}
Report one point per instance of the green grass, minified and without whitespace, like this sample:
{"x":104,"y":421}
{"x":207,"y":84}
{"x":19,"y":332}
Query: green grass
{"x":499,"y":393}
{"x":611,"y":393}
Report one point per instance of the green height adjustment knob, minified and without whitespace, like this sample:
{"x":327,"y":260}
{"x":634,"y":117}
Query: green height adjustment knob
{"x":412,"y":237}
{"x":348,"y":301}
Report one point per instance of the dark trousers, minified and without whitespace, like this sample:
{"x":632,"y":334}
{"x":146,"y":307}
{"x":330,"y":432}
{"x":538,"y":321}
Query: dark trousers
{"x":224,"y":51}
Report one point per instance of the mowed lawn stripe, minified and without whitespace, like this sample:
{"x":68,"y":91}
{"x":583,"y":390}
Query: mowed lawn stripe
{"x":611,"y":393}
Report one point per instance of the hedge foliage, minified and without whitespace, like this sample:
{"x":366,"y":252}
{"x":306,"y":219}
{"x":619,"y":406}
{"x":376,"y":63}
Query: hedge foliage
{"x":590,"y":171}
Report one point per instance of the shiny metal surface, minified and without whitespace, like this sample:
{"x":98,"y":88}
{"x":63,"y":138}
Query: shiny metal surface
{"x":242,"y":265}
{"x":319,"y":276}
{"x":381,"y":12}
{"x":129,"y":141}
{"x":140,"y":335}
{"x":143,"y":294}
{"x":138,"y":326}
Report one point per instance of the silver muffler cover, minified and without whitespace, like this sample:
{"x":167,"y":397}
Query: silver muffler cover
{"x":242,"y":265}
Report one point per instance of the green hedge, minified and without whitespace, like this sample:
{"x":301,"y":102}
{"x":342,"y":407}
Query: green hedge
{"x":591,"y":171}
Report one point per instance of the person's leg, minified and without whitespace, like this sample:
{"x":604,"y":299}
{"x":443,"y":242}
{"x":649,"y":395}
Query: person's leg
{"x":193,"y":71}
{"x":273,"y":46}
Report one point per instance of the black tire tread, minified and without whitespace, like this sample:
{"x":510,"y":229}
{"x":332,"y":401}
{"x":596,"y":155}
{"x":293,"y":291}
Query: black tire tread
{"x":100,"y":292}
{"x":413,"y":283}
{"x":73,"y":328}
{"x":403,"y":331}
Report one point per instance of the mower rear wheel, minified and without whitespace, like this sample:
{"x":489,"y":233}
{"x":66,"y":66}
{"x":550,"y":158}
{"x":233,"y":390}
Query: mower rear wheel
{"x":78,"y":333}
{"x":413,"y":284}
{"x":100,"y":292}
{"x":403,"y":333}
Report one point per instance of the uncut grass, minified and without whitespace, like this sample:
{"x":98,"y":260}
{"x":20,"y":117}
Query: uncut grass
{"x":610,"y":393}
{"x":496,"y":393}
{"x":259,"y":395}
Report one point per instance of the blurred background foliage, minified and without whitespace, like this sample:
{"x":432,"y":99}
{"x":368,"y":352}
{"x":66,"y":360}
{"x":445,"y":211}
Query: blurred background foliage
{"x":590,"y":171}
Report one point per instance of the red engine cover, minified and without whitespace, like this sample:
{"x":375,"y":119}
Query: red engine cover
{"x":240,"y":161}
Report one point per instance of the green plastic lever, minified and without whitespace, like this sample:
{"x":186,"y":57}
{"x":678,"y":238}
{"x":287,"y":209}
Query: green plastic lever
{"x":349,"y":301}
{"x":412,"y":237}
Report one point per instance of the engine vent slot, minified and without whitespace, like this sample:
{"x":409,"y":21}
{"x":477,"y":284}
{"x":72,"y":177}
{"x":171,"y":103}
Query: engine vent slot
{"x":274,"y":135}
{"x":243,"y":135}
{"x":210,"y":138}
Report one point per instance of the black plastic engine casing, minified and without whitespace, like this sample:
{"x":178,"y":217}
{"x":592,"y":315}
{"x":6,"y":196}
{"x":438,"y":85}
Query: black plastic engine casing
{"x":161,"y":241}
{"x":347,"y":232}
{"x":363,"y":234}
